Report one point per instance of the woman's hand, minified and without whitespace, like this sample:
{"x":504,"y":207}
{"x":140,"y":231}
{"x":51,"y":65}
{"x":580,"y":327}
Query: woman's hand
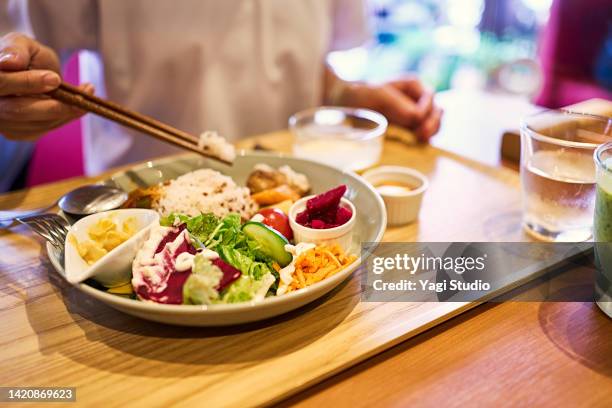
{"x":405,"y":102}
{"x":28,"y":70}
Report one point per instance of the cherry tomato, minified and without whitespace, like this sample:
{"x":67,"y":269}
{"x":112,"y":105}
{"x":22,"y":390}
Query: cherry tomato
{"x":275,"y":218}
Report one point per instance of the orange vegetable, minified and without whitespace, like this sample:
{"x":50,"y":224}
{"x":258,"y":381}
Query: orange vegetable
{"x":275,"y":195}
{"x":317,"y":264}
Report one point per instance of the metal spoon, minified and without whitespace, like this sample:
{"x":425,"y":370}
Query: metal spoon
{"x":92,"y":199}
{"x":82,"y":201}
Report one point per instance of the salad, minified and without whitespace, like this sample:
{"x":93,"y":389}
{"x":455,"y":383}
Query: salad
{"x":221,"y":257}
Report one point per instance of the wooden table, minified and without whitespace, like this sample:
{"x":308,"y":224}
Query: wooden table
{"x":472,"y":126}
{"x":540,"y":354}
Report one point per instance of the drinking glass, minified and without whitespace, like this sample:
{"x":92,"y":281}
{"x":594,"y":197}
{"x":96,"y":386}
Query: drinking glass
{"x":602,"y":228}
{"x":346,"y":138}
{"x":558,"y":173}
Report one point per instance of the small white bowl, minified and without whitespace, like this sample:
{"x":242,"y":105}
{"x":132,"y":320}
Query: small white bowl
{"x":402,"y":207}
{"x":342,"y":235}
{"x":114,"y":268}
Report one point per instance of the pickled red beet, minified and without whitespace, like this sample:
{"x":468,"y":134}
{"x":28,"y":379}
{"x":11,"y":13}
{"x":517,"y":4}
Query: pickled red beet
{"x":170,"y":237}
{"x":172,"y":291}
{"x":230,"y":274}
{"x":319,"y":224}
{"x":326,"y":201}
{"x":343,"y":215}
{"x":324,"y":211}
{"x":328,"y":216}
{"x":303,"y":218}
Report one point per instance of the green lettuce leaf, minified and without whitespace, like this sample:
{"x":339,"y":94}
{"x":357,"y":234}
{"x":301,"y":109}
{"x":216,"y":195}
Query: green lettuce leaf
{"x":227,"y":233}
{"x":202,"y":226}
{"x":199,"y":288}
{"x":246,"y":288}
{"x":169,"y":220}
{"x":246,"y":264}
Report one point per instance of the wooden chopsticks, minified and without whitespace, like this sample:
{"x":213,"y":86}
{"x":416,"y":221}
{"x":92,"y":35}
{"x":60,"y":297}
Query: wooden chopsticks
{"x":72,"y":95}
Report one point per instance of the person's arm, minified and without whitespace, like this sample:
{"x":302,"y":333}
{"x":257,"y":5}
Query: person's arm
{"x":405,"y":102}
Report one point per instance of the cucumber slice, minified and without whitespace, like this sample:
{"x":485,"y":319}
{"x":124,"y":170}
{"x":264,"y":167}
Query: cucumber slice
{"x":272,"y":242}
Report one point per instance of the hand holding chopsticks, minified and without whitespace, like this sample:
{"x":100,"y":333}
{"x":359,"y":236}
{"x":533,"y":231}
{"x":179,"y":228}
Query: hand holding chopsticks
{"x":72,"y":95}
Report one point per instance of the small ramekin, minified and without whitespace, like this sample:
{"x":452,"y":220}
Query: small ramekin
{"x":341,"y":235}
{"x":401,"y":208}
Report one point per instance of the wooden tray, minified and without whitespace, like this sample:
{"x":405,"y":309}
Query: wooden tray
{"x":55,"y":336}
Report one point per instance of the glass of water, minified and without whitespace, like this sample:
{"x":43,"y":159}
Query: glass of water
{"x":346,"y":138}
{"x":558,"y":173}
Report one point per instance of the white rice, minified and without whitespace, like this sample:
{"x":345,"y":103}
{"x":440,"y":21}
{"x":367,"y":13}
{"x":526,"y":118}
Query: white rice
{"x":205,"y":191}
{"x":215,"y":145}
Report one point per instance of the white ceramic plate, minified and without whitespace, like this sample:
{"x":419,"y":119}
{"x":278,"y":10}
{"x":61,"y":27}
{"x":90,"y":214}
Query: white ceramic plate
{"x":370,"y":226}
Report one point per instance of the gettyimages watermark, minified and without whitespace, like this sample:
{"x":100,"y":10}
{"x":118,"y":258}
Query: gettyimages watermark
{"x":482,"y":271}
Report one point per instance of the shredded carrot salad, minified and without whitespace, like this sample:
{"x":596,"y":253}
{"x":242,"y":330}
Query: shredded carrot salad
{"x":317,"y":264}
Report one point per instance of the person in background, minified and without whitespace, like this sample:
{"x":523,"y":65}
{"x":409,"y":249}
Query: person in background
{"x":576,"y":56}
{"x":240,"y":67}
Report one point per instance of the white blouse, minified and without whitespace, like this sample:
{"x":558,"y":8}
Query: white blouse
{"x":239,"y":67}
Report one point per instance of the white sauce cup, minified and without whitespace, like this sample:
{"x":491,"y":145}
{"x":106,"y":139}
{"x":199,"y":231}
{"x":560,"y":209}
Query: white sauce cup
{"x":402,"y":206}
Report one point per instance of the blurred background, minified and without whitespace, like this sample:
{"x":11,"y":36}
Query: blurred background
{"x":520,"y":47}
{"x":492,"y":62}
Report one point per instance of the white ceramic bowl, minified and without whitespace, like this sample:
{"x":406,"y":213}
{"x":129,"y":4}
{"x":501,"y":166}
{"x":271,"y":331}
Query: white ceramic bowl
{"x":402,"y":207}
{"x":114,"y":268}
{"x":369,"y":227}
{"x":342,"y":235}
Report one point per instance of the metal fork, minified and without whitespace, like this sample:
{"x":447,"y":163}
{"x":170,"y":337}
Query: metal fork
{"x":8,"y":218}
{"x":51,"y":227}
